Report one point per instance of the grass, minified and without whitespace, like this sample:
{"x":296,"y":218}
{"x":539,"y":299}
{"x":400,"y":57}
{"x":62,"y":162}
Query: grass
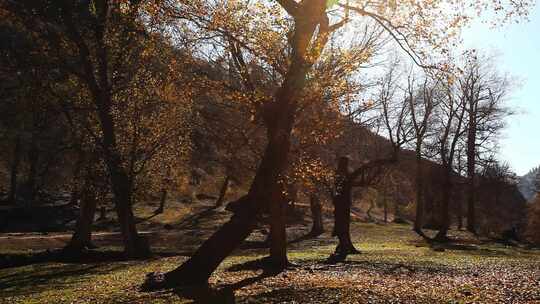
{"x":395,"y":267}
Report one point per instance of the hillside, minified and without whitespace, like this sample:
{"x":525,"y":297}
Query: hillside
{"x":527,"y":184}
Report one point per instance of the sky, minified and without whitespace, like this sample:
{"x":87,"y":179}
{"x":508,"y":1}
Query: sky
{"x":518,"y":47}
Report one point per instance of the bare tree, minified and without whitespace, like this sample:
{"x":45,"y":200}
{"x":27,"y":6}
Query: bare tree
{"x":422,"y":101}
{"x":484,"y":91}
{"x":451,"y":129}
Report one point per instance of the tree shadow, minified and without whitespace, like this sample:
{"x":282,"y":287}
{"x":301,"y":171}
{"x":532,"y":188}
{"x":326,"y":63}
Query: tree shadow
{"x":140,"y":220}
{"x":221,"y":294}
{"x":87,"y":257}
{"x":264,"y":264}
{"x":384,"y":268}
{"x":193,"y":220}
{"x":305,"y":237}
{"x":464,"y":246}
{"x":51,"y":276}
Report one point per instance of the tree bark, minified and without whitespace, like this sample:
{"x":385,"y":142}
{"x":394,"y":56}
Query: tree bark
{"x":459,"y":214}
{"x":223,"y":191}
{"x":419,"y":218}
{"x":471,"y":167}
{"x":278,"y":233}
{"x":316,"y":215}
{"x":444,"y":212}
{"x":82,"y":237}
{"x":342,"y":212}
{"x":134,"y":244}
{"x":121,"y":183}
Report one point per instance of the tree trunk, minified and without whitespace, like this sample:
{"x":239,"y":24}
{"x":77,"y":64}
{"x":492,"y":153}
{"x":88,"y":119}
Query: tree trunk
{"x":342,"y":212}
{"x":121,"y":182}
{"x":279,"y":117}
{"x":342,"y":221}
{"x":223,"y":191}
{"x":33,"y":159}
{"x":316,"y":215}
{"x":162,"y":201}
{"x":82,"y":237}
{"x":419,"y":218}
{"x":385,"y":206}
{"x":444,"y":212}
{"x":471,"y":168}
{"x":213,"y":251}
{"x":12,"y":196}
{"x":75,"y":184}
{"x":278,"y":233}
{"x":459,"y":214}
{"x":134,"y":244}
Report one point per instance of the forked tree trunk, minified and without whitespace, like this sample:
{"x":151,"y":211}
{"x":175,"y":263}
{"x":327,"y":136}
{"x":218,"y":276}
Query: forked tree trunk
{"x":82,"y":237}
{"x":316,"y":215}
{"x":134,"y":244}
{"x":223,"y":191}
{"x":121,"y":184}
{"x":12,"y":196}
{"x":279,"y":117}
{"x":342,"y":212}
{"x":342,"y":222}
{"x":214,"y":250}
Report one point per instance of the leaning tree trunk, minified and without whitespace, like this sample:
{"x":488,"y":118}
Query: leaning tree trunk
{"x":279,"y":117}
{"x":223,"y":191}
{"x":213,"y":251}
{"x":82,"y":237}
{"x":279,"y":120}
{"x":316,"y":215}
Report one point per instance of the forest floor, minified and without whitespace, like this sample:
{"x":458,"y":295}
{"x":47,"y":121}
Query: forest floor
{"x":395,"y":266}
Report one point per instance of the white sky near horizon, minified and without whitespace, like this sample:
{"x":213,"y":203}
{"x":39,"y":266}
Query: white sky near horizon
{"x":518,"y":47}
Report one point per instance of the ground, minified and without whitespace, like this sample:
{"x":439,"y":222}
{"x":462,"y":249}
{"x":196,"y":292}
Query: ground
{"x":395,"y":266}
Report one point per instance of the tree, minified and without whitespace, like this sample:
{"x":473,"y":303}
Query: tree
{"x":101,"y":46}
{"x":422,"y":101}
{"x":305,"y":42}
{"x":450,"y":116}
{"x":485,"y":92}
{"x":392,"y":112}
